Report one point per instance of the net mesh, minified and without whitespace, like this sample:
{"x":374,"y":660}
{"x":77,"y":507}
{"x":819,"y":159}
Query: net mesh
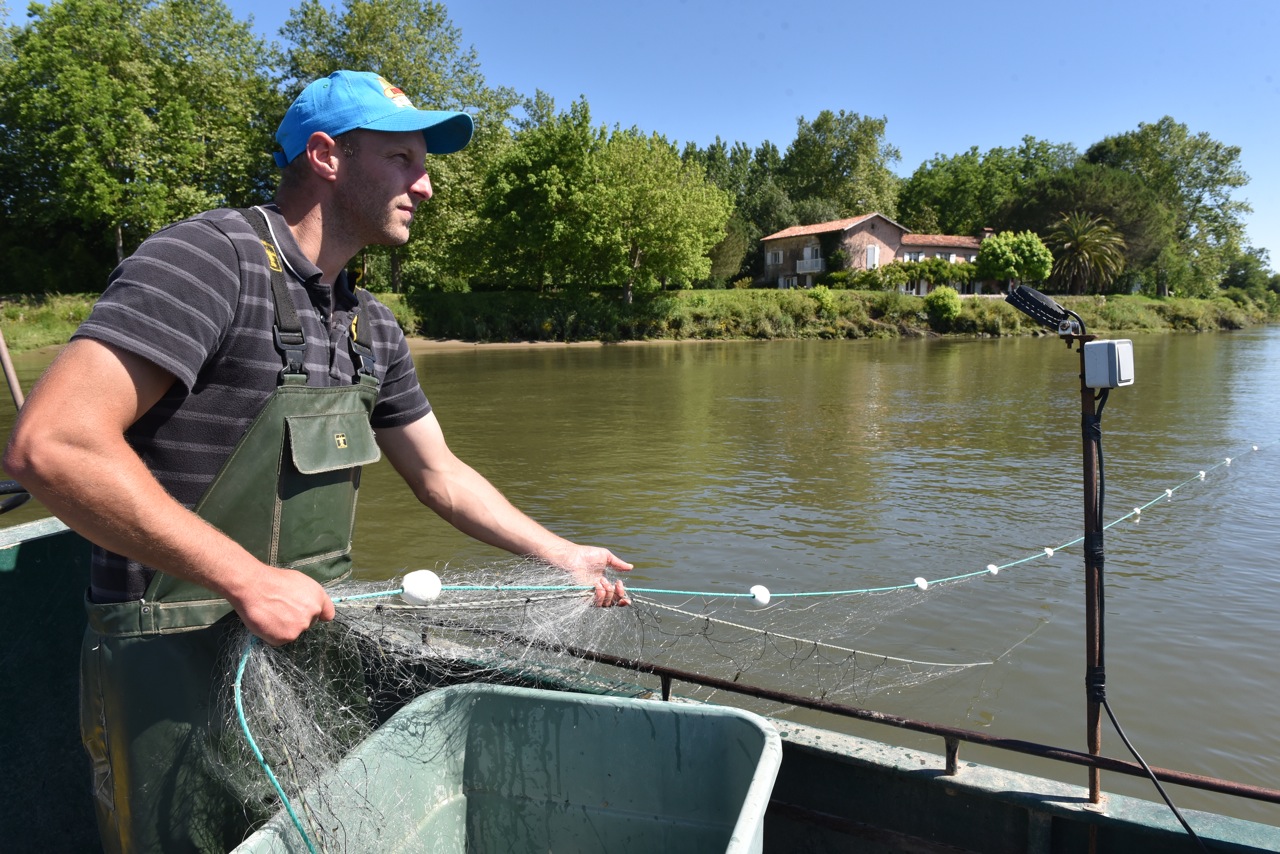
{"x":307,"y":704}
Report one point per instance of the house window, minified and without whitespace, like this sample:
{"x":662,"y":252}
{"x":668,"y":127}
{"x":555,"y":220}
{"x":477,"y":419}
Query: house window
{"x":913,"y":256}
{"x":773,"y":258}
{"x":787,"y":281}
{"x":812,"y":252}
{"x":951,"y":257}
{"x":973,"y":259}
{"x":873,"y":256}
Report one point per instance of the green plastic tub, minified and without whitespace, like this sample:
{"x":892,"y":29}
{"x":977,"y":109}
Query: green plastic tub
{"x":481,"y":768}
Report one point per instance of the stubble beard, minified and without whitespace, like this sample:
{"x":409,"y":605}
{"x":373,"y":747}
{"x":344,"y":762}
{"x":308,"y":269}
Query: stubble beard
{"x":367,"y":219}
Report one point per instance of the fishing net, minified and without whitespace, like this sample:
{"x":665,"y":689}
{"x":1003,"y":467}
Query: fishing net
{"x":307,"y":704}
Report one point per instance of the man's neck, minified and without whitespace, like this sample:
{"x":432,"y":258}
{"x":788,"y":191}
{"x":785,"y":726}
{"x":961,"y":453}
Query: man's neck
{"x":307,"y":225}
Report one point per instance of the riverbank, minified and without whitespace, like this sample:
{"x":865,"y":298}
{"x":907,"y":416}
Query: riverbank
{"x":450,"y":321}
{"x":819,"y":313}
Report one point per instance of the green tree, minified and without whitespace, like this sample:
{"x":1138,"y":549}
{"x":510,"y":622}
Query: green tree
{"x":761,"y":206}
{"x":76,"y":112}
{"x":229,"y":106}
{"x":1088,"y":252}
{"x":1249,"y":270}
{"x":965,"y":193}
{"x":572,"y":206}
{"x":1198,"y":176}
{"x":654,"y":218}
{"x":947,"y":195}
{"x":842,"y":157}
{"x":728,"y":167}
{"x":815,"y":209}
{"x":121,"y":116}
{"x":730,"y":255}
{"x":1014,"y":256}
{"x":531,"y":209}
{"x":1142,"y":217}
{"x":538,"y":110}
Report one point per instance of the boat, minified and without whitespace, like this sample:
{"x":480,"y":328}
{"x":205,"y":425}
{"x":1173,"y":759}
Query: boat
{"x":833,"y":791}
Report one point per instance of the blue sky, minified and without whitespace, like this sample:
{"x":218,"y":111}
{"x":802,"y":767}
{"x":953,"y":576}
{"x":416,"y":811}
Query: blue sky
{"x":946,"y":75}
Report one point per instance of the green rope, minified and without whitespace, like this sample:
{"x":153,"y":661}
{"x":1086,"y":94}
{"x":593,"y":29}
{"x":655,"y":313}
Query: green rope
{"x":990,"y":569}
{"x":257,"y":753}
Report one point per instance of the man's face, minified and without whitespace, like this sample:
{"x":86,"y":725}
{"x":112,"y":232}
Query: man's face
{"x":381,"y":185}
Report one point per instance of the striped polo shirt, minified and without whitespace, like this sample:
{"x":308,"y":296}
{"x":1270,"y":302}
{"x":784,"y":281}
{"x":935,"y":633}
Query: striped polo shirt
{"x":195,"y":299}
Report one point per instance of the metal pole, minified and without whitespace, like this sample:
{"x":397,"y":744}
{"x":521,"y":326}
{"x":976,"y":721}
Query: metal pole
{"x":1092,"y":577}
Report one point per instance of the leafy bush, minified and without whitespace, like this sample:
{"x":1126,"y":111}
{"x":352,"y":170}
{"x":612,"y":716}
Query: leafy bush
{"x":943,"y":306}
{"x":983,"y":316}
{"x":1125,"y":314}
{"x":826,"y":302}
{"x":1188,"y":314}
{"x":894,"y":306}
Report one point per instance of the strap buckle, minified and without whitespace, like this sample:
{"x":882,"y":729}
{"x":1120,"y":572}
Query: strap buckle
{"x":292,"y":345}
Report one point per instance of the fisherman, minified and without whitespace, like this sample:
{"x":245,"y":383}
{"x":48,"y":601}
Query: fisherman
{"x":205,"y":430}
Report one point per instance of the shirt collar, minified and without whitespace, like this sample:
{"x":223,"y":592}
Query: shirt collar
{"x":297,"y":263}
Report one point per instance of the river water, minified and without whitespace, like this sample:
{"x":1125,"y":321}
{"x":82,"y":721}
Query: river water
{"x":835,"y":465}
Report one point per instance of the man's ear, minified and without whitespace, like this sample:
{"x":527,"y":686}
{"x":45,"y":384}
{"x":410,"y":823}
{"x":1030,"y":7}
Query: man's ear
{"x":322,"y":153}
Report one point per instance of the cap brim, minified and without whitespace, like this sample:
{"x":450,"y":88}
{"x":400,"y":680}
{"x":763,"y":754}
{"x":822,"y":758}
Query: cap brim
{"x":445,"y":131}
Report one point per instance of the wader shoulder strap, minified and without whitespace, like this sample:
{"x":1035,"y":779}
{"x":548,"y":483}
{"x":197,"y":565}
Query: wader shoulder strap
{"x":288,"y":329}
{"x":361,"y":345}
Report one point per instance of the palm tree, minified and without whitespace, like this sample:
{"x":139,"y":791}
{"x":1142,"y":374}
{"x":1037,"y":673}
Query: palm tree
{"x":1088,"y":252}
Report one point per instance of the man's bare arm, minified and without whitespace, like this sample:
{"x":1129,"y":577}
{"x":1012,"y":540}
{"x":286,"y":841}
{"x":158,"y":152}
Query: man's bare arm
{"x":68,"y":449}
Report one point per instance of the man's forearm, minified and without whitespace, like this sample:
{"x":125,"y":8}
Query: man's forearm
{"x":473,"y":505}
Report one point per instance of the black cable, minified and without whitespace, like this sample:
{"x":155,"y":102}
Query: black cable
{"x":1177,"y":814}
{"x":1096,"y":679}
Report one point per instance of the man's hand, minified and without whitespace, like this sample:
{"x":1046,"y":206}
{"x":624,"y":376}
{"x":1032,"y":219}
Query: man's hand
{"x":587,"y":564}
{"x":282,"y":604}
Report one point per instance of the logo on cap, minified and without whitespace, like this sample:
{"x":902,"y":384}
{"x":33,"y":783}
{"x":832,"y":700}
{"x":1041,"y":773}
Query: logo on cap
{"x":395,"y":93}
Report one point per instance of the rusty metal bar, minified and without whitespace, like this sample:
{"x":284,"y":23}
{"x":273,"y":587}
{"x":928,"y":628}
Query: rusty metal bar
{"x":1029,"y":748}
{"x":10,"y":374}
{"x":1092,"y":576}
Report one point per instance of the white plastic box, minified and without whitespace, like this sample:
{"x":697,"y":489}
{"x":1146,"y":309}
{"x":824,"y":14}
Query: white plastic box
{"x":1108,"y":364}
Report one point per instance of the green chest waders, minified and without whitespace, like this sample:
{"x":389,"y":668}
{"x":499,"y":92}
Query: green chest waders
{"x":152,"y":670}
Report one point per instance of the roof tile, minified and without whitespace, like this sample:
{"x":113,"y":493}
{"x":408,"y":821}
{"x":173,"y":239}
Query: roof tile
{"x":819,"y":227}
{"x":941,"y":240}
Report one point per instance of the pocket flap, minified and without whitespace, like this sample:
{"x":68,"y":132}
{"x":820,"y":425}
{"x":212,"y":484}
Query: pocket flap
{"x":330,"y":442}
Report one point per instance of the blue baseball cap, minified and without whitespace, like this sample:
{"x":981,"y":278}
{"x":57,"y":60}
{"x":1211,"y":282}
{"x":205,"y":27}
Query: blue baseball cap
{"x":347,"y":100}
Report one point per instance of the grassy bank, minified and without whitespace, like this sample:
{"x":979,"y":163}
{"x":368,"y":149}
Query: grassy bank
{"x":31,"y":322}
{"x":816,"y":313}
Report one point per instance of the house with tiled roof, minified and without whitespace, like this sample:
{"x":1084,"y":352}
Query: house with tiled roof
{"x":796,"y":256}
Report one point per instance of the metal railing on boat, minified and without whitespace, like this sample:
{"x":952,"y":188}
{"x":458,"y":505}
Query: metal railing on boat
{"x":952,"y":736}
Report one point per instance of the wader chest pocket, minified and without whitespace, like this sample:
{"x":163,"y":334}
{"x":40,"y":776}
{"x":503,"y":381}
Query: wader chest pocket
{"x":325,"y":443}
{"x":319,"y":476}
